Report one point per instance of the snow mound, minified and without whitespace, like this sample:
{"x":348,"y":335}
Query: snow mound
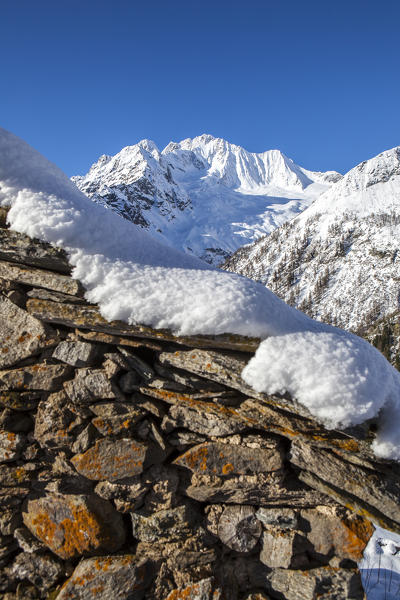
{"x":133,"y":277}
{"x":380,"y":566}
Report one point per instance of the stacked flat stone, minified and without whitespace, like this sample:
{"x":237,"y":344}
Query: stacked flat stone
{"x":138,"y":465}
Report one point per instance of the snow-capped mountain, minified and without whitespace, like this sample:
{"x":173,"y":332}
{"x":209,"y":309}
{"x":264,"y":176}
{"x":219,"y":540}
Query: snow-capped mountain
{"x":203,"y":195}
{"x":339,"y":260}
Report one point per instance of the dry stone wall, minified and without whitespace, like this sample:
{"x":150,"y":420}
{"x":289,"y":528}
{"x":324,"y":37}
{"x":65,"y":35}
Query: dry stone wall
{"x":139,"y":465}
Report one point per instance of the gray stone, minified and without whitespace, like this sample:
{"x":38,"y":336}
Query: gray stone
{"x":170,"y":524}
{"x":89,"y":384}
{"x":105,"y":577}
{"x":43,"y":570}
{"x":334,"y":531}
{"x":19,"y":248}
{"x":262,"y":489}
{"x":11,"y":445}
{"x":282,"y":518}
{"x":40,"y":377}
{"x":27,"y":541}
{"x":56,"y":422}
{"x":188,"y":380}
{"x":113,"y":424}
{"x":76,"y":353}
{"x":284,"y":548}
{"x":112,"y":460}
{"x":116,"y":340}
{"x":84,"y":439}
{"x":127,"y":496}
{"x":324,"y":583}
{"x":10,"y":520}
{"x":74,"y":525}
{"x":201,"y":590}
{"x":163,"y":483}
{"x":40,"y":278}
{"x":239,"y":529}
{"x":222,"y":459}
{"x":21,"y":335}
{"x":54,"y":296}
{"x":203,"y":417}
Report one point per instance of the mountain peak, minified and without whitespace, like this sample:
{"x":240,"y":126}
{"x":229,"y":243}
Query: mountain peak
{"x":204,"y":194}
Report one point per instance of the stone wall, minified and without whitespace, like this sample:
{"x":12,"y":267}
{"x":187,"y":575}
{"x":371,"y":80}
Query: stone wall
{"x":135,"y":464}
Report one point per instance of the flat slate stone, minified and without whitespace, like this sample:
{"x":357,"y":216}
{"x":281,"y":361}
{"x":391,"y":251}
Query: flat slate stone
{"x":112,"y":460}
{"x":41,"y":278}
{"x":202,"y":417}
{"x":222,"y":459}
{"x":21,"y":335}
{"x":19,"y":248}
{"x":75,"y":525}
{"x":41,"y":377}
{"x":89,"y":317}
{"x":108,"y":577}
{"x":363,"y":490}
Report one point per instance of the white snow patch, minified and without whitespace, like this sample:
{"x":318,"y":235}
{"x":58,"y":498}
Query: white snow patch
{"x":339,"y":377}
{"x":380,"y":565}
{"x":133,"y":277}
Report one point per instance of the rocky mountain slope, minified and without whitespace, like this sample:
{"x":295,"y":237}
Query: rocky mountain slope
{"x":203,"y":195}
{"x":339,"y":260}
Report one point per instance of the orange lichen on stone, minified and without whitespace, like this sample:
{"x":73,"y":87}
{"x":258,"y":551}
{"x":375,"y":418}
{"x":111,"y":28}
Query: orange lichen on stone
{"x":44,"y":528}
{"x":195,"y":459}
{"x":357,"y":533}
{"x":228,"y":468}
{"x":186,"y":594}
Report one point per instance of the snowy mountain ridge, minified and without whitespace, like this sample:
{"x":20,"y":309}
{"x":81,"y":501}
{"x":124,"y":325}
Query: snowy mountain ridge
{"x":203,"y":195}
{"x":338,"y":260}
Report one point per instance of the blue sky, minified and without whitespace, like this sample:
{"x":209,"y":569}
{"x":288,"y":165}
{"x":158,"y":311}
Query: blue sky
{"x":320,"y":80}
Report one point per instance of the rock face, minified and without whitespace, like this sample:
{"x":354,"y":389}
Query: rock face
{"x":139,"y":465}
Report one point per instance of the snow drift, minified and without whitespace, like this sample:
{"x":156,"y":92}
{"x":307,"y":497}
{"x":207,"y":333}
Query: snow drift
{"x":339,"y":377}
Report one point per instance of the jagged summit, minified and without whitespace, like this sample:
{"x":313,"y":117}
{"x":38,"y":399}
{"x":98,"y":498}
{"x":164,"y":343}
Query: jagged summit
{"x":203,"y":195}
{"x":338,"y":260}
